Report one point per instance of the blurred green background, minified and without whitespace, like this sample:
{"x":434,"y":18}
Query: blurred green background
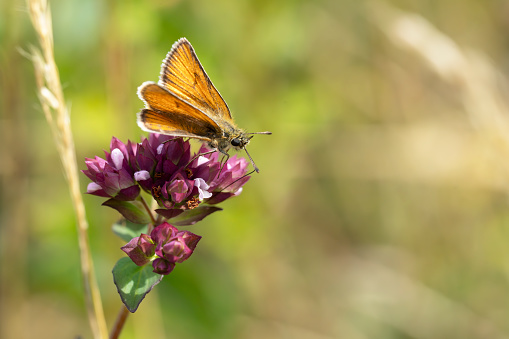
{"x":381,"y":209}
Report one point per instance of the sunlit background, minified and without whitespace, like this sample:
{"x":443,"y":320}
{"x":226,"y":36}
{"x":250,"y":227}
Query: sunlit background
{"x":381,"y":210}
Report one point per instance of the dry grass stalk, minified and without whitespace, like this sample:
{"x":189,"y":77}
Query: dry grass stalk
{"x":57,"y":114}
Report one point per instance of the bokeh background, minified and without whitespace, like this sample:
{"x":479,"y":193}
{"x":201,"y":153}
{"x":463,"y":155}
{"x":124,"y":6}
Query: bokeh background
{"x":381,"y":209}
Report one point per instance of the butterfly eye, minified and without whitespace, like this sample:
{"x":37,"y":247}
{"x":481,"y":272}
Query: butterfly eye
{"x":235,"y":142}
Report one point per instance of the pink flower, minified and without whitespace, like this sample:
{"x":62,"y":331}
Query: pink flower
{"x":164,"y":167}
{"x":165,"y":247}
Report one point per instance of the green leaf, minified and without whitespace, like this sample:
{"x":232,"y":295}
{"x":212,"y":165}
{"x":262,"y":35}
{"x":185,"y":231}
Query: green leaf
{"x":131,"y":210}
{"x":134,"y":282}
{"x":127,"y":230}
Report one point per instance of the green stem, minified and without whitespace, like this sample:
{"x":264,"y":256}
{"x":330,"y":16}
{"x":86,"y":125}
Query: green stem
{"x":149,"y":211}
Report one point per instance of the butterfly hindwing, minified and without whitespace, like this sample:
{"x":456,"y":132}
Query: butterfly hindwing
{"x":183,"y":75}
{"x":166,"y":113}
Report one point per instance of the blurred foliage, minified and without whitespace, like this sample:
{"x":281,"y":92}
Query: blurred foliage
{"x":381,"y":209}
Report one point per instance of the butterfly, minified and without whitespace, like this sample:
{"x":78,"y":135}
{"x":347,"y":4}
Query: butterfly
{"x":185,"y":103}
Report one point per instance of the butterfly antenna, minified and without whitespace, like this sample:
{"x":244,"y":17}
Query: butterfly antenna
{"x":266,"y":132}
{"x":252,"y":162}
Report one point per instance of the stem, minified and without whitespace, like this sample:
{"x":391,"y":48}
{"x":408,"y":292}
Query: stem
{"x":57,"y":115}
{"x":147,"y":208}
{"x":159,"y":219}
{"x":119,"y":323}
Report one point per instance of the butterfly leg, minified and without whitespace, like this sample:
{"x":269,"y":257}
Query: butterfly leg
{"x":176,"y":138}
{"x":223,"y":162}
{"x":199,"y":155}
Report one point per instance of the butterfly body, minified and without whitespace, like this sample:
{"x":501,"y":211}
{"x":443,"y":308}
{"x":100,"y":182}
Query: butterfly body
{"x":185,"y":103}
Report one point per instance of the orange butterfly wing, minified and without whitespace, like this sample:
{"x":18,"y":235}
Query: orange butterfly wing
{"x":166,"y":113}
{"x":183,"y":75}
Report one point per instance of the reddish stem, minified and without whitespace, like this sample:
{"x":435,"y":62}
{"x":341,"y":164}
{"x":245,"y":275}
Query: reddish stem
{"x":119,"y":323}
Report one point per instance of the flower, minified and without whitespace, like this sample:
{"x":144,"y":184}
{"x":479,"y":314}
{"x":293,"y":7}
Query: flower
{"x":112,"y":177}
{"x":140,"y":249}
{"x":165,"y":247}
{"x":183,"y":184}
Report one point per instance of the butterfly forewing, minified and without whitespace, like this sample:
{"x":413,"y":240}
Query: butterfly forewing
{"x":167,"y":114}
{"x":183,"y":75}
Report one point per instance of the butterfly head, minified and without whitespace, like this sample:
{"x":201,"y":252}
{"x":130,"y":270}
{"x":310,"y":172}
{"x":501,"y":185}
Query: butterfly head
{"x":240,"y":141}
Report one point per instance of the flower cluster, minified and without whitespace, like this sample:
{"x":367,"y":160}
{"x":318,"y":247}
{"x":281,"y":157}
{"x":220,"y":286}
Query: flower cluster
{"x":184,"y":185}
{"x":163,"y":166}
{"x":165,"y":247}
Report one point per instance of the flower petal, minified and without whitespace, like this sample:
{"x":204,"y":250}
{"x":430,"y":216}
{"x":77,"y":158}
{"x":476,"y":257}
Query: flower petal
{"x":162,"y":266}
{"x":118,"y":158}
{"x":93,"y":187}
{"x":160,"y":149}
{"x":141,"y":175}
{"x":202,"y":188}
{"x":139,"y":249}
{"x":201,"y":160}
